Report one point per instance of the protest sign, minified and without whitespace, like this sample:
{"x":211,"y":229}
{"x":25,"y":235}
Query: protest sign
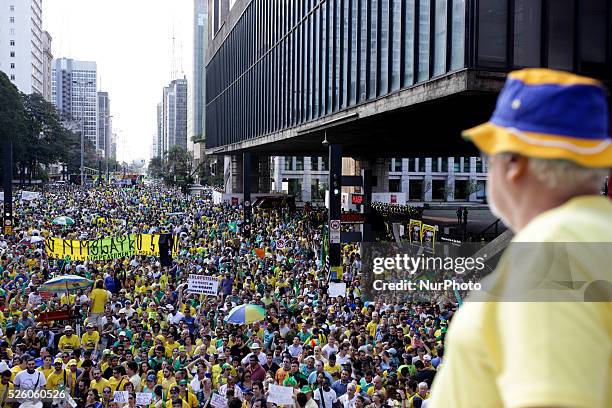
{"x":120,"y":397}
{"x":58,"y":248}
{"x":336,"y":289}
{"x":280,"y":395}
{"x":218,"y":401}
{"x":110,"y":248}
{"x":143,"y":398}
{"x":203,"y":285}
{"x":29,"y":195}
{"x":106,"y":248}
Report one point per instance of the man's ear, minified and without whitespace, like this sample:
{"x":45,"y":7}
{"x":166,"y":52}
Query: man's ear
{"x":516,"y":168}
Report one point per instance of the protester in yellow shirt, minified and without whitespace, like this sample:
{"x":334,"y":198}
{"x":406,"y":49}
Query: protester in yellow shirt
{"x":90,"y":338}
{"x":99,"y":298}
{"x":6,"y":385}
{"x":68,"y":341}
{"x":58,"y":378}
{"x":98,"y":381}
{"x":549,"y":149}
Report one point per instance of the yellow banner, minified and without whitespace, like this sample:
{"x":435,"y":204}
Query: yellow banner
{"x":61,"y":248}
{"x":107,"y":248}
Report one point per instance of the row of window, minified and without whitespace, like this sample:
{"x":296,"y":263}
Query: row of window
{"x":438,"y":165}
{"x":284,"y":66}
{"x":296,"y":163}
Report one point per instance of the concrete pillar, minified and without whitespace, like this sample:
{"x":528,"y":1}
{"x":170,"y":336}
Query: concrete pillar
{"x":405,"y":180}
{"x":237,"y":174}
{"x":450,"y":181}
{"x":472,"y":181}
{"x":307,"y":180}
{"x":279,"y":162}
{"x":380,"y":170}
{"x":427,"y":182}
{"x":227,"y":175}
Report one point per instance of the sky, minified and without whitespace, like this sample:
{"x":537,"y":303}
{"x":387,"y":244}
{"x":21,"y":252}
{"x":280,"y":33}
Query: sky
{"x":131,"y":41}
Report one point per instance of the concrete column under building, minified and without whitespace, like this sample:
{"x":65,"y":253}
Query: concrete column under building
{"x":264,"y":180}
{"x":380,"y":171}
{"x":405,"y":178}
{"x":450,"y":181}
{"x":279,"y":162}
{"x":307,"y":180}
{"x":427,"y":181}
{"x":232,"y":174}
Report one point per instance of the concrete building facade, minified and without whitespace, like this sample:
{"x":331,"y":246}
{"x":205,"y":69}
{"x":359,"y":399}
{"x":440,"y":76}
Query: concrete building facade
{"x":74,"y":93}
{"x":21,"y":44}
{"x":105,"y":127}
{"x":47,"y":65}
{"x":174,"y":116}
{"x":196,"y":113}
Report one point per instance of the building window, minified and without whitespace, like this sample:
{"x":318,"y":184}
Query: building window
{"x":457,"y":165}
{"x":527,"y":28}
{"x":12,"y":54}
{"x":458,"y":36}
{"x":424,"y":27}
{"x":422,"y":164}
{"x":12,"y":43}
{"x":444,"y":165}
{"x":12,"y":65}
{"x":440,"y":38}
{"x":493,"y":17}
{"x":288,"y":163}
{"x":479,"y":166}
{"x":395,"y":185}
{"x":398,"y":164}
{"x":325,"y":164}
{"x":12,"y":19}
{"x":11,"y":31}
{"x":314,"y":163}
{"x":12,"y":8}
{"x":299,"y":163}
{"x":561,"y":35}
{"x":12,"y":77}
{"x":411,"y":165}
{"x":317,"y":190}
{"x":434,"y":165}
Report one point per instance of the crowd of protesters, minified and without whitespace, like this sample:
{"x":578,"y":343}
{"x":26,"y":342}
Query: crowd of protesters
{"x":139,"y":329}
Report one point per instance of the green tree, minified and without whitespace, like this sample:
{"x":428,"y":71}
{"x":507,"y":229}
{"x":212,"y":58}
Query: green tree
{"x":156,"y":167}
{"x":12,"y":114}
{"x":178,"y":168}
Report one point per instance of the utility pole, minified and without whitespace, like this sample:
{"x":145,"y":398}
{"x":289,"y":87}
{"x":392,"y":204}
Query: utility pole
{"x":8,"y":188}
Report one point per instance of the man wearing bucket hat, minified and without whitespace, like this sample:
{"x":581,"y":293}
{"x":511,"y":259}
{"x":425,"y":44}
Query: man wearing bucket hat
{"x":549,"y":149}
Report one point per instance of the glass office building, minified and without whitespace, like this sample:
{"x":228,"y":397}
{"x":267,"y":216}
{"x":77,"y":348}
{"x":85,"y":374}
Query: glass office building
{"x":281,"y":64}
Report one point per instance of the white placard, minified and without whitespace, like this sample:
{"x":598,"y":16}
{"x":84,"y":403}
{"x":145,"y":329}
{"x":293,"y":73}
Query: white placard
{"x":280,"y":395}
{"x":218,"y":401}
{"x":120,"y":397}
{"x":336,"y":289}
{"x":203,"y":285}
{"x":143,"y":398}
{"x":29,"y":195}
{"x":280,"y":244}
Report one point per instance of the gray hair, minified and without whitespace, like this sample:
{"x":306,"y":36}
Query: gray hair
{"x":567,"y":175}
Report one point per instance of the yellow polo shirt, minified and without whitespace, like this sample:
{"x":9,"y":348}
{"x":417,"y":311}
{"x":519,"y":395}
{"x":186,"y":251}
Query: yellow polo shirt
{"x":537,"y":354}
{"x":100,"y":385}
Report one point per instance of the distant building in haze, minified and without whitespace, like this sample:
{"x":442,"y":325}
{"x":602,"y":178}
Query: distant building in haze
{"x":174,"y":116}
{"x":74,"y":94}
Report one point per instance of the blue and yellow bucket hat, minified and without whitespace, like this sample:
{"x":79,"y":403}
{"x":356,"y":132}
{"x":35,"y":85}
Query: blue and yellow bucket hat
{"x":549,"y":114}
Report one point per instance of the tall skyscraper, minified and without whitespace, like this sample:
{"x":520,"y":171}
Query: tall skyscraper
{"x":197,"y":87}
{"x":47,"y":57}
{"x":104,"y":125}
{"x":174,"y":115}
{"x":21,"y":44}
{"x":74,"y":93}
{"x":157,"y":146}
